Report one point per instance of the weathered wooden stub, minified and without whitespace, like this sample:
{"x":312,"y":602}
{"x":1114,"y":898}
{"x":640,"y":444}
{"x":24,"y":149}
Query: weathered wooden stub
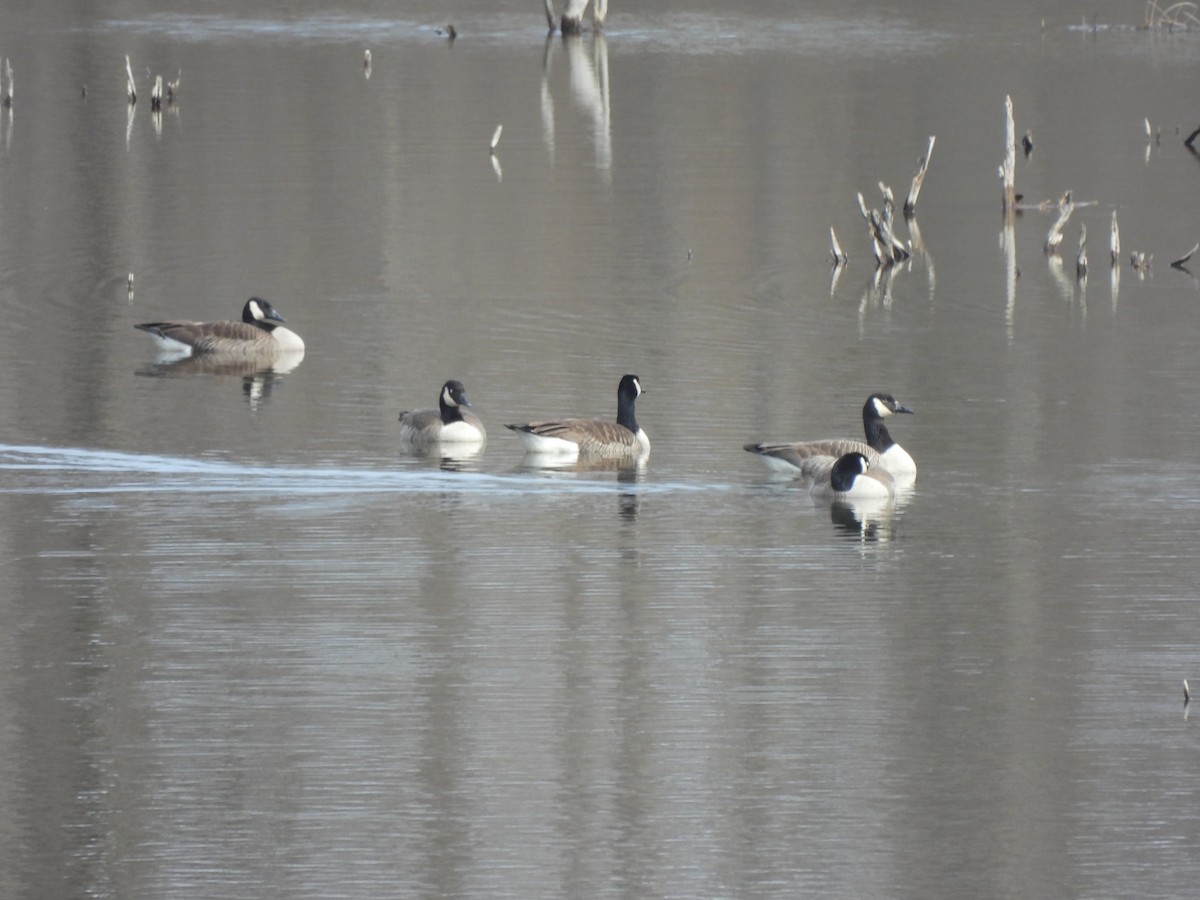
{"x":1008,"y":169}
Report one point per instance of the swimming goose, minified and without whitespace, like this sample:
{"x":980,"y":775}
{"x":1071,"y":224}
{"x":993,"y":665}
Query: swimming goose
{"x":259,"y":333}
{"x":814,"y":459}
{"x":452,"y":422}
{"x":591,"y":437}
{"x":853,"y":477}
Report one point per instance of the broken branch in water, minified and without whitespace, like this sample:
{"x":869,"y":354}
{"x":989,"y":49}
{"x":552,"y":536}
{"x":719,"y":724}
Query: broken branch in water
{"x":496,"y":138}
{"x":1190,"y":141}
{"x":884,"y":244}
{"x":910,"y":202}
{"x":1114,"y":241}
{"x":899,"y":251}
{"x":1182,"y":261}
{"x":1066,"y":206}
{"x":877,"y":248}
{"x":1081,"y":261}
{"x":839,"y":256}
{"x":130,"y":87}
{"x":6,"y":84}
{"x":1177,"y":16}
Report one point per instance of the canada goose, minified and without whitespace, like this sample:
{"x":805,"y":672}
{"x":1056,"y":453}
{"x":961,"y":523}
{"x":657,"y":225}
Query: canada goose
{"x":451,"y":422}
{"x":853,"y":477}
{"x":591,"y":437}
{"x":814,"y":459}
{"x":259,"y":333}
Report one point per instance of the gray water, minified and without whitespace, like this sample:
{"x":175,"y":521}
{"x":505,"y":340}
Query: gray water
{"x":251,"y":648}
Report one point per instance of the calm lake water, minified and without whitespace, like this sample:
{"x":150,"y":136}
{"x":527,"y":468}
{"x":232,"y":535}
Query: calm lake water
{"x":251,"y":648}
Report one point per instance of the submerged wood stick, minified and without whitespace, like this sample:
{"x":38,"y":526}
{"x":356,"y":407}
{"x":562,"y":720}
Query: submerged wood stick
{"x":156,"y":94}
{"x":910,"y":202}
{"x":550,"y":15}
{"x":881,"y":236}
{"x":839,"y":255}
{"x":1066,"y":206}
{"x":1182,"y":261}
{"x":1081,"y":260}
{"x":883,"y":256}
{"x":869,"y":217}
{"x":888,"y":233}
{"x":6,"y":88}
{"x":1114,"y":241}
{"x":130,"y":88}
{"x":862,"y":207}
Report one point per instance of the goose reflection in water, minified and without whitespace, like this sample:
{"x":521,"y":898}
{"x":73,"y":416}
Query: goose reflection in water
{"x":629,"y":469}
{"x":865,"y":520}
{"x":222,"y":364}
{"x":259,"y":375}
{"x":447,"y":457}
{"x":871,"y":519}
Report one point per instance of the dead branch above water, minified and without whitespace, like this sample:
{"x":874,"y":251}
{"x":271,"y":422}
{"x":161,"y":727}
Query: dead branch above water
{"x":1180,"y":16}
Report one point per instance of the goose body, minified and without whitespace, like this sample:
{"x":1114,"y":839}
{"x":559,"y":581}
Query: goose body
{"x":591,"y":437}
{"x":815,"y":459}
{"x":853,"y":477}
{"x":261,"y":332}
{"x":451,"y":423}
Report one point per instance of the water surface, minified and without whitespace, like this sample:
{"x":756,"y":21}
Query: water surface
{"x":252,"y":648}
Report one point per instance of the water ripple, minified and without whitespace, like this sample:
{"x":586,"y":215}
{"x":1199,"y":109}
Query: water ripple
{"x":53,"y":470}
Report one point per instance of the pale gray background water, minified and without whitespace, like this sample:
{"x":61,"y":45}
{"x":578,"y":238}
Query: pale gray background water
{"x":250,"y":649}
